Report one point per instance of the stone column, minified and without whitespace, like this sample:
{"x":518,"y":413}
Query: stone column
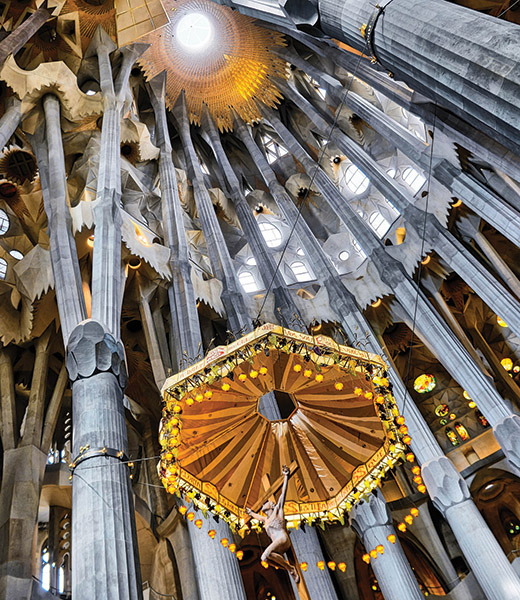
{"x":463,"y":59}
{"x":372,"y":521}
{"x":271,"y":275}
{"x":340,"y":298}
{"x":24,"y":32}
{"x":340,"y":542}
{"x":448,"y":349}
{"x":451,"y":250}
{"x":64,"y":258}
{"x":175,"y":528}
{"x":460,"y":131}
{"x":218,"y":252}
{"x":497,"y":261}
{"x":307,"y":547}
{"x":490,"y":206}
{"x":105,"y":561}
{"x":217,"y":570}
{"x":104,"y":542}
{"x":451,"y":497}
{"x":183,"y":304}
{"x":106,"y":256}
{"x":10,"y":120}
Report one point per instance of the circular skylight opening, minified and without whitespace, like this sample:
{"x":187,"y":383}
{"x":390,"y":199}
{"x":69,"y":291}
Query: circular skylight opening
{"x":194,"y":32}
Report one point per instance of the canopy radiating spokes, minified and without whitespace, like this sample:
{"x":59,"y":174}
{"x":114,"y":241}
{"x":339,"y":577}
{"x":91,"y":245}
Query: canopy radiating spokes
{"x":338,"y":425}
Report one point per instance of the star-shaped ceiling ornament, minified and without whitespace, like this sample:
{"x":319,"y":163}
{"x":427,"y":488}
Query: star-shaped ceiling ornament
{"x":219,"y":57}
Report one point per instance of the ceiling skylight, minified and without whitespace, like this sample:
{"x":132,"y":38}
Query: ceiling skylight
{"x":194,"y":32}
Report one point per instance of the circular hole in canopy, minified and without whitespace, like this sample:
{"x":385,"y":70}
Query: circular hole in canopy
{"x":194,"y":31}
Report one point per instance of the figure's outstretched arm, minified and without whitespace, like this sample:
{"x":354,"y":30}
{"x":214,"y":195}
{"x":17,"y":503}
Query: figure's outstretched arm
{"x":281,"y":499}
{"x":255,"y":515}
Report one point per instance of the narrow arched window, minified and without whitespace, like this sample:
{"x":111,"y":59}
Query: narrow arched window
{"x":46,"y":568}
{"x":300,"y":271}
{"x":272,"y":235}
{"x":4,"y":222}
{"x":413,"y":178}
{"x":3,"y":268}
{"x":378,"y":223}
{"x":248,"y":282}
{"x":356,"y":181}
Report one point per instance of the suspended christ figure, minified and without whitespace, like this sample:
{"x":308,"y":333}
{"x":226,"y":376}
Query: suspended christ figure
{"x":274,"y":523}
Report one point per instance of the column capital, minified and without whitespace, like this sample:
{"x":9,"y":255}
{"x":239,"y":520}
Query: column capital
{"x":91,"y":349}
{"x":369,"y":514}
{"x":445,"y":485}
{"x":507,"y":433}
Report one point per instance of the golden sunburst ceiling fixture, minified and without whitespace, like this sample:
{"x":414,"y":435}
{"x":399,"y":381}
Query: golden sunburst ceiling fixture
{"x":220,"y":58}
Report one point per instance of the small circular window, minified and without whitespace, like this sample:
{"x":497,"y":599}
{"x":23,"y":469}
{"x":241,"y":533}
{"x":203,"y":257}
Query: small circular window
{"x":424,"y":383}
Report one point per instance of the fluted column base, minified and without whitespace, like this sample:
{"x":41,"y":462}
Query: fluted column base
{"x":452,"y":498}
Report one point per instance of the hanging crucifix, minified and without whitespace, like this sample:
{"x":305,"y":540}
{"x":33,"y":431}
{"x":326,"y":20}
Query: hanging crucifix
{"x":276,"y":529}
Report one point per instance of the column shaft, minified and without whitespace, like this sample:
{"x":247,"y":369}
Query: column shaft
{"x":488,"y":562}
{"x":105,"y":561}
{"x":217,"y":249}
{"x":183,"y":305}
{"x":436,"y":48}
{"x":64,"y":257}
{"x":266,"y":264}
{"x":373,"y":523}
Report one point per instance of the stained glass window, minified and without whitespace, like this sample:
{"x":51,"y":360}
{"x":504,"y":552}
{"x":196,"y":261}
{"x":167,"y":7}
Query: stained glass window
{"x":507,"y":363}
{"x":441,"y":410}
{"x":424,"y":383}
{"x":501,"y":322}
{"x":452,"y":436}
{"x":481,"y":419}
{"x":462,"y":431}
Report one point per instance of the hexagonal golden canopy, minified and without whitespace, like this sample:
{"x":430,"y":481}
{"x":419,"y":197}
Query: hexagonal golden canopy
{"x":340,"y":431}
